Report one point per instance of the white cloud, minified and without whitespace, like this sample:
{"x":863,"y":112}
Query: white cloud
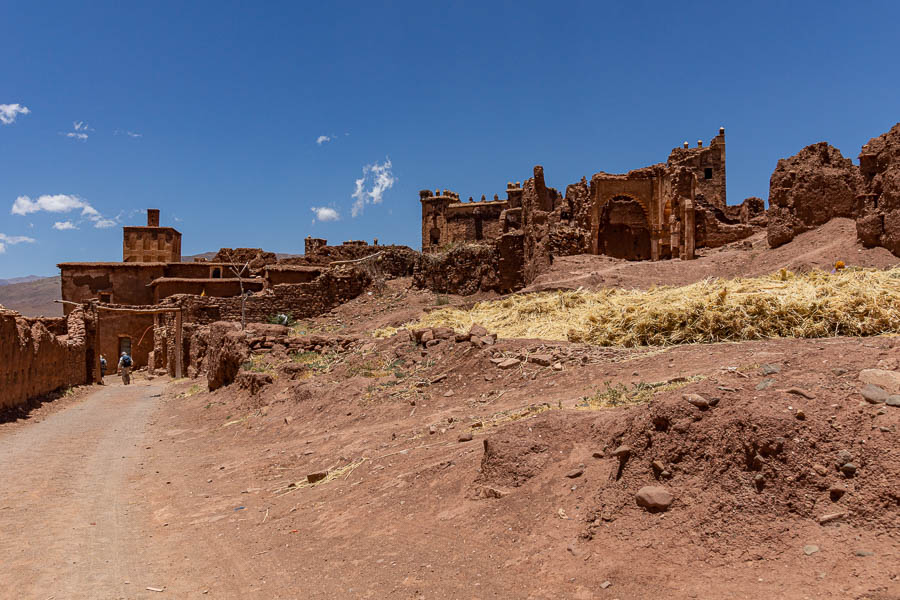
{"x":104,"y":223}
{"x":56,"y":203}
{"x":325,"y":213}
{"x":133,"y":134}
{"x":62,"y":203}
{"x":324,"y":138}
{"x":9,"y":112}
{"x":77,"y":136}
{"x":64,"y":225}
{"x":370,"y":188}
{"x":12,"y":240}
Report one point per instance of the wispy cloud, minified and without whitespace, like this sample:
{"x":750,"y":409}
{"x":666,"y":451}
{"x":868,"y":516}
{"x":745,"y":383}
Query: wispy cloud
{"x":12,"y":240}
{"x":80,"y":131}
{"x":64,"y":225}
{"x":325,"y":213}
{"x":9,"y":112}
{"x":322,"y":139}
{"x":370,"y":188}
{"x":62,"y":203}
{"x":131,"y":134}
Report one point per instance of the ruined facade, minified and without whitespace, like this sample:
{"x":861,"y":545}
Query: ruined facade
{"x":647,"y":213}
{"x":663,"y":211}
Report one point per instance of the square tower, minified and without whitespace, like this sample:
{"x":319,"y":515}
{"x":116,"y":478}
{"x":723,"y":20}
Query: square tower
{"x":151,"y":243}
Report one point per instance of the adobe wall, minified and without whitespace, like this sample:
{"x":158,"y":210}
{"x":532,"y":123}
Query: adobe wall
{"x":34,"y":362}
{"x":708,"y":164}
{"x":112,"y":327}
{"x":126,"y":282}
{"x":165,"y":287}
{"x":463,"y":269}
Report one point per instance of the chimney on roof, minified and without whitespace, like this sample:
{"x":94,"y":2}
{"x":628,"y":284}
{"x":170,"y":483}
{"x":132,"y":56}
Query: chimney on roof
{"x":152,"y":217}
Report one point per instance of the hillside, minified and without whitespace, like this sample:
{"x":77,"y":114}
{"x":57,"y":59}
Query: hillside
{"x":33,"y":298}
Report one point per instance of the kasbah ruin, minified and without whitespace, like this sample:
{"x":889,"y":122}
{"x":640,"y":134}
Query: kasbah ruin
{"x":606,"y":386}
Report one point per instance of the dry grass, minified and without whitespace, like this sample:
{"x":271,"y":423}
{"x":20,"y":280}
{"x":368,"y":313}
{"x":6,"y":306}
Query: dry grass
{"x":853,"y":302}
{"x":639,"y":393}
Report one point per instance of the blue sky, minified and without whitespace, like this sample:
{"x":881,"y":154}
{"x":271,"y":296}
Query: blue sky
{"x":211,"y":111}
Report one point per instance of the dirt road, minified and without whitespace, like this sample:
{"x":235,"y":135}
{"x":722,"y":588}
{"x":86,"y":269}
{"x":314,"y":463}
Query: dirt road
{"x":70,"y":524}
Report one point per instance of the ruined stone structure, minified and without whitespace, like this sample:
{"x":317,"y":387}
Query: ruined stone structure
{"x":817,"y":184}
{"x":151,"y":243}
{"x":649,"y":213}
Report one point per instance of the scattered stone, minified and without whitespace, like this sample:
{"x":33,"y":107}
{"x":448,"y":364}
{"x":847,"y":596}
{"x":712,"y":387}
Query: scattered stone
{"x":287,"y":420}
{"x":657,"y":467}
{"x":576,"y":472}
{"x":839,"y":371}
{"x":825,"y":519}
{"x":605,"y":584}
{"x":491,"y":492}
{"x":697,"y":400}
{"x":557,"y":366}
{"x":887,"y":380}
{"x":843,"y":457}
{"x":765,"y":384}
{"x":543,"y":360}
{"x":477,"y":331}
{"x":849,"y":469}
{"x":443,"y":333}
{"x":507,"y":363}
{"x":800,"y":392}
{"x":820,"y":469}
{"x":621,"y":452}
{"x":759,"y":480}
{"x":874,"y":394}
{"x":864,"y":553}
{"x":771,"y":369}
{"x":893,"y":401}
{"x":597,"y":455}
{"x":466,"y":436}
{"x":654,"y":498}
{"x":800,"y":414}
{"x":432,"y":430}
{"x":314,"y":477}
{"x":449,"y":393}
{"x":810,"y":549}
{"x":837,"y":491}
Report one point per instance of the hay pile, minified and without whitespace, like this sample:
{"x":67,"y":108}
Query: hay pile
{"x":852,"y":302}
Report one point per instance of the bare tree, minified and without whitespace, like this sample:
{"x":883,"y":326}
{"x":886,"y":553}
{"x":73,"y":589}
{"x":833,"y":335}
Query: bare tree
{"x":239,"y":271}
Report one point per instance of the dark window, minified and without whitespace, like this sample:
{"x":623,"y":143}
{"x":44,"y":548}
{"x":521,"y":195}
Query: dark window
{"x":106,"y":297}
{"x":217,"y":273}
{"x":479,"y":232}
{"x":707,"y":173}
{"x":125,"y":345}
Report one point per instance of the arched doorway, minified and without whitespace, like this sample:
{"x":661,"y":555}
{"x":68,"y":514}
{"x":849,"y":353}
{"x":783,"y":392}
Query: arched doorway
{"x":623,"y":230}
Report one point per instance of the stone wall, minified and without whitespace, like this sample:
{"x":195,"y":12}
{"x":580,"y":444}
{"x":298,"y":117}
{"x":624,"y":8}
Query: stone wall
{"x":464,"y":269}
{"x":34,"y":361}
{"x":301,"y":300}
{"x":878,"y":209}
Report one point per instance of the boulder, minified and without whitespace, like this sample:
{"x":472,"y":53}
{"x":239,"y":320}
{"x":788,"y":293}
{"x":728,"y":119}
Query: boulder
{"x":886,"y":380}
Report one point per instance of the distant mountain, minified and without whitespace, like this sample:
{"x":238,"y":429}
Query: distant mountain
{"x":25,"y":279}
{"x":33,"y":298}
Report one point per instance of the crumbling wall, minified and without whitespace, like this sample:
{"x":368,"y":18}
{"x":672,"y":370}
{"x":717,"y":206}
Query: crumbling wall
{"x":809,"y":189}
{"x":256,"y":257}
{"x":34,"y":361}
{"x":227,"y":350}
{"x":878,"y":209}
{"x":303,"y":300}
{"x":464,"y":269}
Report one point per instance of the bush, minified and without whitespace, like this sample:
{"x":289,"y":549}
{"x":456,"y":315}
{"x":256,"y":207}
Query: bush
{"x":286,"y":319}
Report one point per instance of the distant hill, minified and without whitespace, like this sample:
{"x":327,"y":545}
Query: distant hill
{"x":33,"y":298}
{"x":25,"y":279}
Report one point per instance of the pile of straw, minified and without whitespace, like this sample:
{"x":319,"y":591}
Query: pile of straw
{"x":852,"y":302}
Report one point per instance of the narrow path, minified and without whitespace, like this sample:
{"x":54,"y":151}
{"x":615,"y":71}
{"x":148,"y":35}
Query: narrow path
{"x":70,"y":523}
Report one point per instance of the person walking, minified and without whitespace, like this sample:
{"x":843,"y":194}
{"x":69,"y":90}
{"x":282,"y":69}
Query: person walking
{"x":125,"y":368}
{"x":102,"y":368}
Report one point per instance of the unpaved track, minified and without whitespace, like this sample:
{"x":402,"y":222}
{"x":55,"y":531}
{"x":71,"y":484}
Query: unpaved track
{"x":70,"y":522}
